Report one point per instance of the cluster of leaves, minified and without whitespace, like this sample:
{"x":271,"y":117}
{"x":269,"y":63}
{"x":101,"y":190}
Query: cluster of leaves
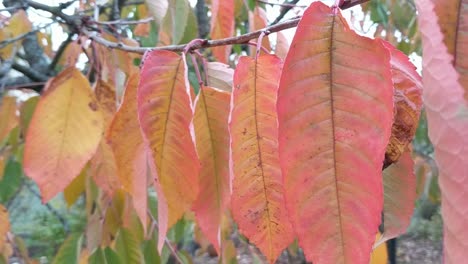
{"x":287,"y":149}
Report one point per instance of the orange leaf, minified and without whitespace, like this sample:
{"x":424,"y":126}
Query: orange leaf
{"x":447,"y":113}
{"x":125,"y":138}
{"x":222,"y":26}
{"x":17,"y":25}
{"x":408,"y":103}
{"x":104,"y":170}
{"x":335,"y":110}
{"x":105,"y":94}
{"x":400,"y":197}
{"x":282,"y":45}
{"x":8,"y":116}
{"x":258,"y":204}
{"x":212,"y":137}
{"x":63,"y":134}
{"x":258,"y":20}
{"x":165,"y":114}
{"x":453,"y":20}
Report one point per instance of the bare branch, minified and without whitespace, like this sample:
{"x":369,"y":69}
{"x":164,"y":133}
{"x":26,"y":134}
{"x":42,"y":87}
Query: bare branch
{"x":30,"y":72}
{"x":242,"y":39}
{"x":125,"y":22}
{"x":60,"y":51}
{"x":281,"y":4}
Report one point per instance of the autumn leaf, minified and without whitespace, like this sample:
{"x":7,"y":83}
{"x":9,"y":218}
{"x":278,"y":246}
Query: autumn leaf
{"x":258,"y":20}
{"x":453,"y":21}
{"x":335,"y":109}
{"x":8,"y":116}
{"x":126,"y":140}
{"x":212,"y":137}
{"x":282,"y":45}
{"x":63,"y":134}
{"x":447,"y":117}
{"x":219,"y":75}
{"x":165,"y":114}
{"x":174,"y":23}
{"x":408,"y":102}
{"x":157,"y":8}
{"x":222,"y":26}
{"x":258,"y":205}
{"x":17,"y":25}
{"x":399,"y":197}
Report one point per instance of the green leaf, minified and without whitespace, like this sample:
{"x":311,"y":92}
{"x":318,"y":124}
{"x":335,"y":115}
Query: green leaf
{"x":26,"y":112}
{"x":11,"y":180}
{"x":127,"y":247}
{"x":106,"y":256}
{"x":150,"y":251}
{"x":69,"y":252}
{"x":191,"y":30}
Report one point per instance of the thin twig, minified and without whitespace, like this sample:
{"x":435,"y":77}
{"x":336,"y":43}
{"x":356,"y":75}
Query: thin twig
{"x":166,"y":241}
{"x":242,"y":39}
{"x":281,"y":4}
{"x":284,"y":11}
{"x":125,"y":22}
{"x":30,"y":72}
{"x":350,"y":3}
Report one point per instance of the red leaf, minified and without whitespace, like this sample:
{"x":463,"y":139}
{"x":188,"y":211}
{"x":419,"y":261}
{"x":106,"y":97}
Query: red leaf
{"x":448,"y":130}
{"x":212,"y":137}
{"x":126,"y":141}
{"x":165,"y":114}
{"x":335,"y":110}
{"x":408,"y":102}
{"x":400,"y":197}
{"x":222,"y":26}
{"x":258,"y":204}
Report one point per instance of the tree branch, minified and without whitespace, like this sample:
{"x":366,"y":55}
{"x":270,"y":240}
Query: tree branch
{"x":60,"y":51}
{"x":285,"y":10}
{"x":30,"y":72}
{"x":242,"y":39}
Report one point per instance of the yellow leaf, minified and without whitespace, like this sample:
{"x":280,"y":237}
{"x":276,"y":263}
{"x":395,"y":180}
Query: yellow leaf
{"x":63,"y":134}
{"x":17,"y":25}
{"x":379,"y":255}
{"x":8,"y":117}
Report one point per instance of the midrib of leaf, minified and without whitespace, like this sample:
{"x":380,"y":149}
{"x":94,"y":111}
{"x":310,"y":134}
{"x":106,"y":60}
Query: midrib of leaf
{"x":270,"y":247}
{"x":65,"y":130}
{"x":218,"y":202}
{"x":163,"y":143}
{"x":332,"y":112}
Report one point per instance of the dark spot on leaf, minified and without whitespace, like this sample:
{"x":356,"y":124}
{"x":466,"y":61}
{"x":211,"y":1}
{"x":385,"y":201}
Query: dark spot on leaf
{"x":93,"y":105}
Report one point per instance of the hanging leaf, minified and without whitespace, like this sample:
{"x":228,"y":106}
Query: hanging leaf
{"x":408,"y":102}
{"x":69,"y":251}
{"x":8,"y":116}
{"x":335,"y":110}
{"x":282,"y":45}
{"x":63,"y":134}
{"x":219,"y":75}
{"x":157,"y":8}
{"x":26,"y":112}
{"x":165,"y":114}
{"x":447,"y":117}
{"x":74,"y":190}
{"x":175,"y":22}
{"x":125,"y":138}
{"x":258,"y":20}
{"x":258,"y":205}
{"x":453,"y":21}
{"x":11,"y":181}
{"x":212,"y":137}
{"x":399,"y":197}
{"x":128,"y":248}
{"x":17,"y":25}
{"x":222,"y":26}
